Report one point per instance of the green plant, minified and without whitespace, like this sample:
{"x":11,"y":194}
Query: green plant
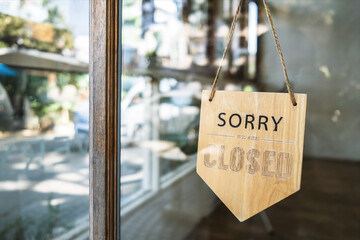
{"x":31,"y":228}
{"x":19,"y":32}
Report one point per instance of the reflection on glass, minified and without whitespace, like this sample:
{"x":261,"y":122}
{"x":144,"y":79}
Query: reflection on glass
{"x":171,"y":50}
{"x":44,"y":119}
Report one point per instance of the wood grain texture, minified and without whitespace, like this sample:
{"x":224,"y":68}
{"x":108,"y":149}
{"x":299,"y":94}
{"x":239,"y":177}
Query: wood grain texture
{"x":251,"y":148}
{"x":104,"y":38}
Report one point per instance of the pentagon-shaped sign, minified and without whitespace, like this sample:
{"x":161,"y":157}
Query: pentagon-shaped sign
{"x":250,"y":148}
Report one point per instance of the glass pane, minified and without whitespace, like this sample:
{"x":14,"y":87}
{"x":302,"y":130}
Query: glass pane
{"x":44,"y":119}
{"x":171,"y":51}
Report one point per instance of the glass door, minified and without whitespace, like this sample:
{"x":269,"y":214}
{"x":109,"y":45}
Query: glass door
{"x":171,"y":50}
{"x":170,"y":53}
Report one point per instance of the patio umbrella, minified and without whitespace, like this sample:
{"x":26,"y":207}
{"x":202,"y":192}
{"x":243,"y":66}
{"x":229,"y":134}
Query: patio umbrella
{"x":6,"y":71}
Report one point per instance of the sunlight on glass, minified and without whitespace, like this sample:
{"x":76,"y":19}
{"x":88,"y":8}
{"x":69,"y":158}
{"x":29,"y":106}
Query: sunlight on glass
{"x":44,"y":118}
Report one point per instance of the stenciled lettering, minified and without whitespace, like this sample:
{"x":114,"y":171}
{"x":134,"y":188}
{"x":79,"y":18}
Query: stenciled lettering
{"x":284,"y":165}
{"x":221,"y":158}
{"x":252,"y":157}
{"x":268,"y":162}
{"x":236,"y":159}
{"x":211,"y":148}
{"x":274,"y":164}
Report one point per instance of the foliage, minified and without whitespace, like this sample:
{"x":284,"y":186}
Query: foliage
{"x":18,"y":32}
{"x":63,"y":79}
{"x":31,"y":228}
{"x":80,"y":81}
{"x":49,"y":222}
{"x":54,"y":15}
{"x":128,"y":3}
{"x":12,"y":29}
{"x":36,"y":91}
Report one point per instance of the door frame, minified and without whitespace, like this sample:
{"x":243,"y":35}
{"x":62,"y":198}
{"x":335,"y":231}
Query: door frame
{"x":104,"y":117}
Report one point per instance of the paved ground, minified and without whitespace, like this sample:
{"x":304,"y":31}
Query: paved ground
{"x":47,"y":199}
{"x":44,"y":184}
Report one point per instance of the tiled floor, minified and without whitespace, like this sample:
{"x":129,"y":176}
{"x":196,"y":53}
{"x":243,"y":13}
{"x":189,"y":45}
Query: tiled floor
{"x":326,"y":207}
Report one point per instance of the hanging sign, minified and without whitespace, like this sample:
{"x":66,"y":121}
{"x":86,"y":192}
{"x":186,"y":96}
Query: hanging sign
{"x":251,"y":148}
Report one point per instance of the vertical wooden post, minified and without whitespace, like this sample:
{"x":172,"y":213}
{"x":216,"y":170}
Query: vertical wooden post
{"x":104,"y":85}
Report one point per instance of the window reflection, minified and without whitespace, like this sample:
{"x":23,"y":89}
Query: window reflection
{"x":171,"y":51}
{"x":44,"y":119}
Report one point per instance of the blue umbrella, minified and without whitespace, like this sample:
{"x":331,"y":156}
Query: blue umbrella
{"x":6,"y":71}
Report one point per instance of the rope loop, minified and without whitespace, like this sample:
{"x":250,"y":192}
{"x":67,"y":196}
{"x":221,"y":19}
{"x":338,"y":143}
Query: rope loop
{"x":277,"y":43}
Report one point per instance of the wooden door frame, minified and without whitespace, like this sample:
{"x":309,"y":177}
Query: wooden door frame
{"x":104,"y":111}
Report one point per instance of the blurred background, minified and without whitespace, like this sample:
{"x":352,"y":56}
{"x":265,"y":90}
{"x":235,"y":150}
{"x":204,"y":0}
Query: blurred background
{"x":171,"y":50}
{"x":44,"y":119}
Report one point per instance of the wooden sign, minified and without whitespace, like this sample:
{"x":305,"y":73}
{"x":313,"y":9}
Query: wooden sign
{"x":251,"y":148}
